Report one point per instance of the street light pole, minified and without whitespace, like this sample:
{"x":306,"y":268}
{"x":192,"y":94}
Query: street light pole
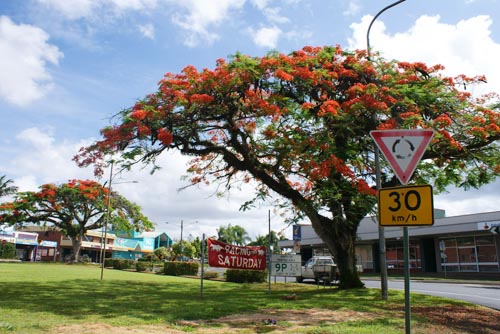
{"x":181,"y":248}
{"x":182,"y":228}
{"x":103,"y":249}
{"x":382,"y":247}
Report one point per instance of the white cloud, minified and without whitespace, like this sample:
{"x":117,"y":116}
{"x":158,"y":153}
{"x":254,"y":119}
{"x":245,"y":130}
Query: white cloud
{"x":352,"y":9}
{"x":463,"y":48}
{"x":133,"y":4}
{"x":147,"y":30}
{"x":71,"y":10}
{"x":266,"y":37}
{"x":273,"y":15}
{"x":260,"y":4}
{"x":77,"y":9}
{"x":40,"y":157}
{"x":201,"y":15}
{"x":25,"y":54}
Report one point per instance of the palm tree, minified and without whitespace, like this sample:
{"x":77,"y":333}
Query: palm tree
{"x":233,"y":235}
{"x":6,"y":186}
{"x":240,"y":235}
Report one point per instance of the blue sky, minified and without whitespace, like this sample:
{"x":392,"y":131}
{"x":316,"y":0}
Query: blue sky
{"x":67,"y":66}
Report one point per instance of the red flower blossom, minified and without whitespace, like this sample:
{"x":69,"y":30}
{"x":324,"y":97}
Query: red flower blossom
{"x":283,"y":75}
{"x":165,"y":137}
{"x":138,"y":115}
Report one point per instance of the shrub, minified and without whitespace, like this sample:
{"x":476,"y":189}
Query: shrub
{"x":246,"y":276}
{"x":121,"y":264}
{"x":108,"y":263}
{"x":175,"y":268}
{"x":210,"y":274}
{"x":7,"y":251}
{"x":141,"y":265}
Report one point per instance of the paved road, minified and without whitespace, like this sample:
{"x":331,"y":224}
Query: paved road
{"x":481,"y":294}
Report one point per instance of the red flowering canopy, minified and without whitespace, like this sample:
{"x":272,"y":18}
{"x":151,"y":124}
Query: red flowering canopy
{"x":74,"y":208}
{"x":299,"y":124}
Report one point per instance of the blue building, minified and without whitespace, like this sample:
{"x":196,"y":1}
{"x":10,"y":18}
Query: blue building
{"x":135,"y":245}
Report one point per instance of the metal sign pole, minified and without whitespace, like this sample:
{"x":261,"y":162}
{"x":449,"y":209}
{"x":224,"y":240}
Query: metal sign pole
{"x":202,"y":264}
{"x":406,"y":246}
{"x":269,"y":252}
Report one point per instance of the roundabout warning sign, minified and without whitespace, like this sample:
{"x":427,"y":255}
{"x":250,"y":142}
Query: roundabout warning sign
{"x":403,"y":149}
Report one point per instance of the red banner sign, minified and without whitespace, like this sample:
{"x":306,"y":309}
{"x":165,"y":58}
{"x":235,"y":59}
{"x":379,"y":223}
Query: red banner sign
{"x":236,"y":257}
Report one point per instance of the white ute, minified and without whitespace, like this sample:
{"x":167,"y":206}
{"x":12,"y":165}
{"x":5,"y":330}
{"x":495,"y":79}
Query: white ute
{"x":319,"y":268}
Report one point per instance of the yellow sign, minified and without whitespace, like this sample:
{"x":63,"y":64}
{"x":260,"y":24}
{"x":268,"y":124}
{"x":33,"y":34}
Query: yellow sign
{"x":406,"y":206}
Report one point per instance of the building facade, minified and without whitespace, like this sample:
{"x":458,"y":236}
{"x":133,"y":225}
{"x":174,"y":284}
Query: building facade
{"x":38,"y":243}
{"x":467,"y":245}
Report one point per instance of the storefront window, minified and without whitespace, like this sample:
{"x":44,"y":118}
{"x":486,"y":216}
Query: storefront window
{"x":364,"y":256}
{"x":475,"y":253}
{"x":395,"y":255}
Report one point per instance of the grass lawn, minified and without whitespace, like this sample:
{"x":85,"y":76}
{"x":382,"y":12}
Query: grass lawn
{"x":58,"y":298}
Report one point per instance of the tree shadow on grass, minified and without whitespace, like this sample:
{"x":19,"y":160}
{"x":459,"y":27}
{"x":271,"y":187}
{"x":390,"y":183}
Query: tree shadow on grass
{"x":169,"y":301}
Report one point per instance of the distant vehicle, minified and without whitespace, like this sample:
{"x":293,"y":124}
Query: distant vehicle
{"x":319,"y":268}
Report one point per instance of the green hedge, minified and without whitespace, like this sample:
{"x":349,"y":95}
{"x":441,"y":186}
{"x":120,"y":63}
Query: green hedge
{"x":7,"y":251}
{"x":108,"y":263}
{"x":175,"y":268}
{"x":246,"y":276}
{"x":210,"y":274}
{"x":142,"y":265}
{"x":121,"y":264}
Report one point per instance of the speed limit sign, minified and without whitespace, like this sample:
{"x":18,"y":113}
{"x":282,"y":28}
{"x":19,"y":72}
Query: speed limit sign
{"x":406,"y":206}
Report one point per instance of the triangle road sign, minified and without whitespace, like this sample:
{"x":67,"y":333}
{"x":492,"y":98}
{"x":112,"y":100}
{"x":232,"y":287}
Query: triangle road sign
{"x":403,"y":149}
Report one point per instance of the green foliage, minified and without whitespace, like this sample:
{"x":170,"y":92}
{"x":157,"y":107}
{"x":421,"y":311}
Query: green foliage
{"x":175,"y":268}
{"x":121,"y":264}
{"x":182,"y":250}
{"x":235,"y":235}
{"x":150,"y":257}
{"x":246,"y":276}
{"x":162,"y":253}
{"x":7,"y":251}
{"x":141,"y":266}
{"x":264,"y":241}
{"x":197,"y":246}
{"x":6,"y":186}
{"x":210,"y":274}
{"x":108,"y":263}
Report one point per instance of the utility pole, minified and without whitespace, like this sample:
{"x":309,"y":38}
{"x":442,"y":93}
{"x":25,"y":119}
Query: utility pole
{"x":381,"y":232}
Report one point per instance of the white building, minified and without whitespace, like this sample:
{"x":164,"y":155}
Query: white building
{"x":461,"y":245}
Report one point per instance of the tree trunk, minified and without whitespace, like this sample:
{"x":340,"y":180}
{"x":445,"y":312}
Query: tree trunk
{"x":76,"y":243}
{"x":346,"y":264}
{"x":340,"y":238}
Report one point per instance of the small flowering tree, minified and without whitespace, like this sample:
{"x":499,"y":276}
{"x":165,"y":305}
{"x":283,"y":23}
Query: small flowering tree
{"x":74,"y":208}
{"x":299,"y":126}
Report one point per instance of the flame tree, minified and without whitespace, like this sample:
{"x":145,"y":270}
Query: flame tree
{"x":74,"y":208}
{"x":299,"y":126}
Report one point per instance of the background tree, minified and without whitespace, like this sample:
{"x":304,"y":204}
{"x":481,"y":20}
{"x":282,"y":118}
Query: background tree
{"x":74,"y":208}
{"x":7,"y":186}
{"x":235,"y":235}
{"x":182,"y":250}
{"x":263,"y":240}
{"x":163,"y":253}
{"x":299,"y":125}
{"x":196,"y":242}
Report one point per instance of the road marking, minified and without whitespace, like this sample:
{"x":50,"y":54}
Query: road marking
{"x":454,"y":294}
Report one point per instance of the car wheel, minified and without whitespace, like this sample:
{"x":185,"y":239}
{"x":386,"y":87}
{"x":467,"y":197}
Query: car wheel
{"x":299,"y":279}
